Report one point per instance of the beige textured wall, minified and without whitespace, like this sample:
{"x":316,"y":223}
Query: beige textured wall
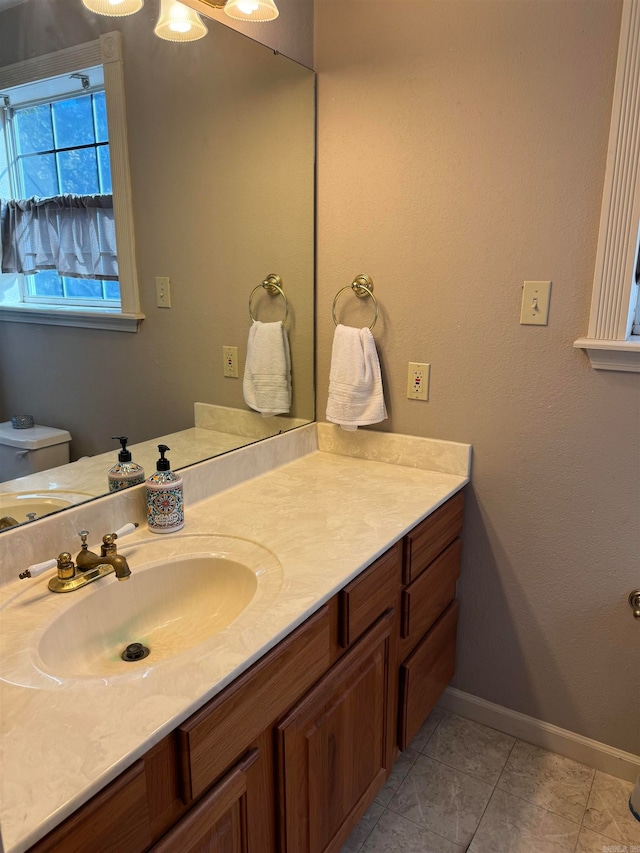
{"x":221,"y":147}
{"x":462,"y":151}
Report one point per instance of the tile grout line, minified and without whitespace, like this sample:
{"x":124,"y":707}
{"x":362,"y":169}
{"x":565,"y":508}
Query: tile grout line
{"x":515,"y":740}
{"x":545,"y":808}
{"x":420,"y":826}
{"x":386,"y":809}
{"x":584,"y":811}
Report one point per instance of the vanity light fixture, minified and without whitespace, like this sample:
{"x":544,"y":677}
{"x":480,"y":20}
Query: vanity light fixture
{"x":251,"y":10}
{"x":178,"y":22}
{"x":113,"y":8}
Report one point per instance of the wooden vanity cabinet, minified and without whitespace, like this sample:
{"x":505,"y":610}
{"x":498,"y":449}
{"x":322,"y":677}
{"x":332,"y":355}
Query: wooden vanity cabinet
{"x":429,"y":617}
{"x":115,"y":820}
{"x":288,"y":758}
{"x":218,"y":823}
{"x":333,"y":747}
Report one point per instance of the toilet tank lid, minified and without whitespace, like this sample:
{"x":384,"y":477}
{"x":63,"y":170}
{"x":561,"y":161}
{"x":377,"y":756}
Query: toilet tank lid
{"x":34,"y":438}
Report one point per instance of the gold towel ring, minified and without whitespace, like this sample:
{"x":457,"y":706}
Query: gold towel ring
{"x":362,"y":286}
{"x":272,"y":283}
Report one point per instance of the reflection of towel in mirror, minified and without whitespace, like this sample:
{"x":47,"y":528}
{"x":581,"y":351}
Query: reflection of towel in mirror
{"x":267,"y":371}
{"x":355,"y":384}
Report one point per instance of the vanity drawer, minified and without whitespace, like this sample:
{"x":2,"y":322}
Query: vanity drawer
{"x":425,"y":674}
{"x":114,"y":821}
{"x":369,"y":595}
{"x":426,"y":598}
{"x":212,"y":738}
{"x":431,"y":537}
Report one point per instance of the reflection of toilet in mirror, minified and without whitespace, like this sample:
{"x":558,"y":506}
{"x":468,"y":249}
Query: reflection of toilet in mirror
{"x":27,"y":451}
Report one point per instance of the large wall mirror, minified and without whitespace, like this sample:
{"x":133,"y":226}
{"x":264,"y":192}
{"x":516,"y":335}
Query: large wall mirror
{"x":221,"y":142}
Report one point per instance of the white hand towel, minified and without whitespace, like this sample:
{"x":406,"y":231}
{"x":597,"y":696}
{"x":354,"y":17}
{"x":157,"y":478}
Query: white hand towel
{"x":267,"y":371}
{"x":355,"y":384}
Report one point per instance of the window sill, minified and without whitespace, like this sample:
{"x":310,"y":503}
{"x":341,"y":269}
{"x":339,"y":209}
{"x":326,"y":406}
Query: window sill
{"x":612,"y":355}
{"x":87,"y":318}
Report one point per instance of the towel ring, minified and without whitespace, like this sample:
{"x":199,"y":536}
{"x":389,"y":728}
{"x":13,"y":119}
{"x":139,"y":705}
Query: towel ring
{"x":272,"y":283}
{"x":362,"y":286}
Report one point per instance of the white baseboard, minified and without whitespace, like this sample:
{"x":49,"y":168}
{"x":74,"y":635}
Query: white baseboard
{"x":616,"y":762}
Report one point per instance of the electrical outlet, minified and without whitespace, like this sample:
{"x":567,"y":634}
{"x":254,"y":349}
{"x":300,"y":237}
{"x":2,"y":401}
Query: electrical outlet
{"x":230,"y":357}
{"x":163,"y":291}
{"x":418,"y":381}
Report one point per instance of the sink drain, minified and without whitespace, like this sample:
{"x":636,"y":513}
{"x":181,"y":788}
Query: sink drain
{"x":134,"y":651}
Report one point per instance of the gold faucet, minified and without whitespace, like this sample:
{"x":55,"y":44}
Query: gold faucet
{"x":88,"y":566}
{"x":87,"y":560}
{"x":7,"y":521}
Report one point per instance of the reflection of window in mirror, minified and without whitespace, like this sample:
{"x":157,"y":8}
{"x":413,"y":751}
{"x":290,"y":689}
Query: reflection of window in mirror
{"x":65,"y":216}
{"x":55,"y":148}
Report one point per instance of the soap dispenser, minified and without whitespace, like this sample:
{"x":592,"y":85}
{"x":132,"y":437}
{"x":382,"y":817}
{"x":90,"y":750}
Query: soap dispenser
{"x":124,"y":473}
{"x":165,"y":500}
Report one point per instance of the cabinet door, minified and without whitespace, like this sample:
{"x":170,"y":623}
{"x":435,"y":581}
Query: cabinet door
{"x":333,"y":747}
{"x":218,"y":823}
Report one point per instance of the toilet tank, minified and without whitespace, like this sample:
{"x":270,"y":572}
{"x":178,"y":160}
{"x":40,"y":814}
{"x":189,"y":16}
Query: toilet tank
{"x":26,"y":451}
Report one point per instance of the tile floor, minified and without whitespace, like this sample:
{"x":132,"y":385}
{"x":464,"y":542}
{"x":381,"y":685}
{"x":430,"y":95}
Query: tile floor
{"x":461,"y":786}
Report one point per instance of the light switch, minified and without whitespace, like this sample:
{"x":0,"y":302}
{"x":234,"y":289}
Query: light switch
{"x":535,"y":303}
{"x":163,"y":291}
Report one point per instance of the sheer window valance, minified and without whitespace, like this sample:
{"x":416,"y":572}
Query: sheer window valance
{"x":73,"y":234}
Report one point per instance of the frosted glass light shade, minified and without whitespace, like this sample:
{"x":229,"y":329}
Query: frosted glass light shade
{"x":252,"y":10}
{"x":113,"y":8}
{"x":178,"y":22}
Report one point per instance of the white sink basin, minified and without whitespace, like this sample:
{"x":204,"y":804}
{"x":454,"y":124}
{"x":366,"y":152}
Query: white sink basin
{"x":183,"y":593}
{"x":18,"y":504}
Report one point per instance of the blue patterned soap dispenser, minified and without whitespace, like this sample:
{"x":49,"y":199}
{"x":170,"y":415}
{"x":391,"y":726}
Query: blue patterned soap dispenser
{"x":125,"y":472}
{"x":165,"y":500}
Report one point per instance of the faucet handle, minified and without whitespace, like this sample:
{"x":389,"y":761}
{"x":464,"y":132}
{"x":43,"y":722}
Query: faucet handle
{"x":109,"y":539}
{"x":66,"y":567}
{"x":37,"y":569}
{"x":109,"y":548}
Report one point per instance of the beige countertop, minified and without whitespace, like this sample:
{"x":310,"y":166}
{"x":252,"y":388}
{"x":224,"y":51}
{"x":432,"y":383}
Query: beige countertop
{"x":325,"y":516}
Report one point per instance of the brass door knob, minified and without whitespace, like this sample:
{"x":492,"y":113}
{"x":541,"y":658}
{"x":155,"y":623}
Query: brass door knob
{"x":634,"y":602}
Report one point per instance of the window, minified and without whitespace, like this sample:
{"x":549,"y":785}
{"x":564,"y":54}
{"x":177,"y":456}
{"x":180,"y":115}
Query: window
{"x":65,"y":183}
{"x":613,"y":341}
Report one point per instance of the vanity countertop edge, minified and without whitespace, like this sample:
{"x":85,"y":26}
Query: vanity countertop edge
{"x":326,"y":516}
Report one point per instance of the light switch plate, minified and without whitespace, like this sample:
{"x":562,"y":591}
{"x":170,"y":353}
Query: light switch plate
{"x":535,"y":303}
{"x":163,"y":291}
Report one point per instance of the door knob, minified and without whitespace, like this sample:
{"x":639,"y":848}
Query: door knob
{"x":634,"y":602}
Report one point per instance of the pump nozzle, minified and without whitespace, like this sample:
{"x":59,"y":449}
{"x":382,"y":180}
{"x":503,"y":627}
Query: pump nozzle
{"x":124,"y":455}
{"x":163,"y":464}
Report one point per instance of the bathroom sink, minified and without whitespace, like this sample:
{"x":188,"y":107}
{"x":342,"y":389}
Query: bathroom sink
{"x":19,"y":504}
{"x":183,"y":593}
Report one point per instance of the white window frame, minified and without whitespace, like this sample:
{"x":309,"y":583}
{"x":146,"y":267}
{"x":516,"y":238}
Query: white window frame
{"x":610,"y":343}
{"x":105,"y":51}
